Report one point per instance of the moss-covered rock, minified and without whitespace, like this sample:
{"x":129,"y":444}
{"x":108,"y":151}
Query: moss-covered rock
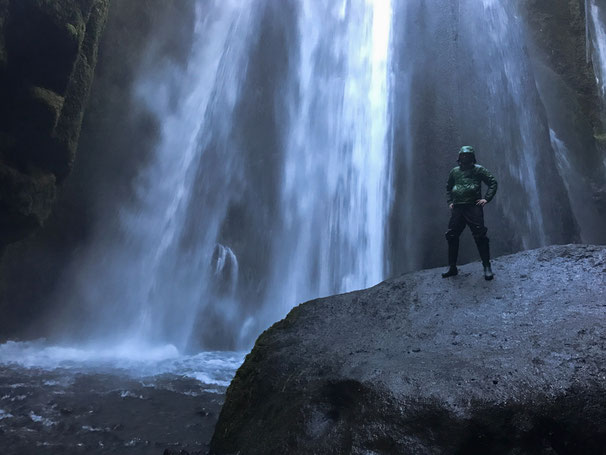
{"x":46,"y":109}
{"x":119,"y":136}
{"x":48,"y":52}
{"x":25,"y":201}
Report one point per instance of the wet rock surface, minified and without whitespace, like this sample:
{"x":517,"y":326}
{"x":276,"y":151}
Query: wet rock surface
{"x":423,"y":365}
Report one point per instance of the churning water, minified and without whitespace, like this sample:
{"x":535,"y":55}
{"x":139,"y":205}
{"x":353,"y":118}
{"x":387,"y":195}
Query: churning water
{"x":120,"y":400}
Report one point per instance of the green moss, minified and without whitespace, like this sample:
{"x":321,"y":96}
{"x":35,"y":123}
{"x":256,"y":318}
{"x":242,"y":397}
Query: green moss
{"x":42,"y":46}
{"x":600,"y":137}
{"x":48,"y":97}
{"x":72,"y":31}
{"x":49,"y":101}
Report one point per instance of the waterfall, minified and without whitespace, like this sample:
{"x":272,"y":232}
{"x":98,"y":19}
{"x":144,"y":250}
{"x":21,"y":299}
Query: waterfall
{"x":335,"y":195}
{"x":596,"y":29}
{"x":214,"y":79}
{"x":143,"y":287}
{"x":596,"y":43}
{"x":304,"y":152}
{"x":270,"y":185}
{"x":578,"y":191}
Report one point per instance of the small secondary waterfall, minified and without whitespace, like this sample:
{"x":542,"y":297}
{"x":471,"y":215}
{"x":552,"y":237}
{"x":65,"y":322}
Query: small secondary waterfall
{"x":596,"y":32}
{"x":515,"y":103}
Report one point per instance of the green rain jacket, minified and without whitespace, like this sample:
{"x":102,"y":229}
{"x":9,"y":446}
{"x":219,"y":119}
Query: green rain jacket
{"x":465,"y":185}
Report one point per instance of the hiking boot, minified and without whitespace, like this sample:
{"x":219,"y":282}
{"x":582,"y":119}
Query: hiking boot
{"x":452,"y":271}
{"x":488,"y":275}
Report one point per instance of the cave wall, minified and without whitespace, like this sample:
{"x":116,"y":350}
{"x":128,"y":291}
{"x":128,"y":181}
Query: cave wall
{"x":48,"y":53}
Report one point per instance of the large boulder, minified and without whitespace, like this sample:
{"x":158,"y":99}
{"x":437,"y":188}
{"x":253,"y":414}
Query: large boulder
{"x":423,"y":365}
{"x":48,"y":52}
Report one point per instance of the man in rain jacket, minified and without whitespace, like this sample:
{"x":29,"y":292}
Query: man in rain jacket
{"x":464,"y":197}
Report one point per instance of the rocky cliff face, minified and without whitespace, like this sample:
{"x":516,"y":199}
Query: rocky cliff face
{"x":423,"y":365}
{"x":557,"y":28}
{"x":118,"y":137}
{"x":48,"y":52}
{"x":566,"y":81}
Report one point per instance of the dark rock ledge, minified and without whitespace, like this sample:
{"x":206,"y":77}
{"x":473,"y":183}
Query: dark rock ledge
{"x":422,"y":365}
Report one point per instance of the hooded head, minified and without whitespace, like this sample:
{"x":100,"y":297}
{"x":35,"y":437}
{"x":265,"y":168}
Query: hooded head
{"x":467,"y":156}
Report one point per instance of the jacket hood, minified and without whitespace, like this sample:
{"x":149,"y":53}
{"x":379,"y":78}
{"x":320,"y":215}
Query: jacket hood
{"x":468,"y":149}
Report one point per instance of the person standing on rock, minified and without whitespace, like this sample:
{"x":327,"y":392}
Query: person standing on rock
{"x":464,"y":197}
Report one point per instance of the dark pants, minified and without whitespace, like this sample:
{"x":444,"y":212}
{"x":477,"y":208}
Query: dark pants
{"x":467,"y":215}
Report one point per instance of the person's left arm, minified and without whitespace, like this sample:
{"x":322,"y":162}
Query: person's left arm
{"x":490,"y":181}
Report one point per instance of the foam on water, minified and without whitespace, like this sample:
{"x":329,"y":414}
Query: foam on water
{"x":40,"y":419}
{"x":37,"y":354}
{"x":211,"y":367}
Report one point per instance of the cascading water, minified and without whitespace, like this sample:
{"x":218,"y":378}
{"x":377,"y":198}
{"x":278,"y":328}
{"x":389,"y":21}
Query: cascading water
{"x":336,"y":188}
{"x":515,"y":125}
{"x":144,"y":288}
{"x":596,"y":33}
{"x":581,"y":163}
{"x":303,"y":153}
{"x":215,"y":247}
{"x":577,"y":189}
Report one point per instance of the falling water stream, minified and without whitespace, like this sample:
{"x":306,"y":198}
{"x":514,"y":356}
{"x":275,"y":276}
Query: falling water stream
{"x":597,"y":42}
{"x":331,"y":237}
